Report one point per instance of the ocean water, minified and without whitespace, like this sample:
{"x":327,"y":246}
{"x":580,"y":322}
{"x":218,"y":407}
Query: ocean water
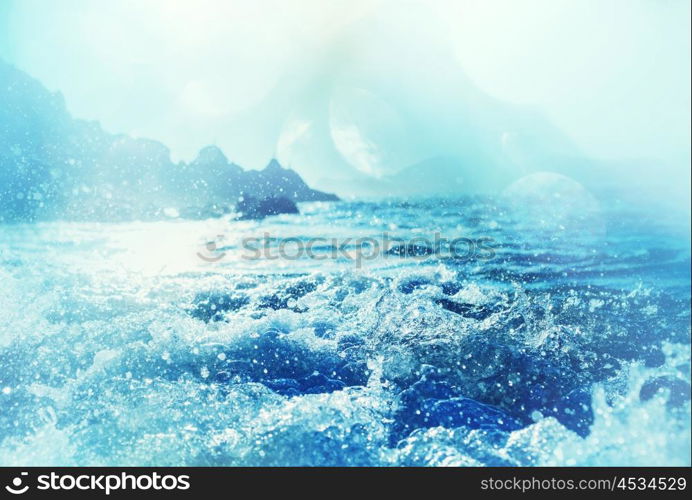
{"x":562,"y":339}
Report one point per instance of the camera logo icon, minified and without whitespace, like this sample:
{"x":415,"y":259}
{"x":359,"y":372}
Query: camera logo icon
{"x":16,"y":487}
{"x":212,"y":252}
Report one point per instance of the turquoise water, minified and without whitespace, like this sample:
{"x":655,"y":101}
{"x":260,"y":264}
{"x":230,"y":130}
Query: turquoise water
{"x":163,"y":343}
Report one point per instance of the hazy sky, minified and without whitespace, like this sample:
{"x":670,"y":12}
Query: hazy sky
{"x":614,"y":75}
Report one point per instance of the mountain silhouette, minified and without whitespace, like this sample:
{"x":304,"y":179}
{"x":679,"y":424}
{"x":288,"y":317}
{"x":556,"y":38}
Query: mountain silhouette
{"x":53,"y":166}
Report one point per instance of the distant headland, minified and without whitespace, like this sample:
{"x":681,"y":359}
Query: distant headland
{"x":53,"y":166}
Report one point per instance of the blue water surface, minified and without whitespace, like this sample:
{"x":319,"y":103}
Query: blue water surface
{"x":168,"y":343}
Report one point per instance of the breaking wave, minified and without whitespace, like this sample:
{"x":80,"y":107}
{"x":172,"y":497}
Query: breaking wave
{"x":120,"y":347}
